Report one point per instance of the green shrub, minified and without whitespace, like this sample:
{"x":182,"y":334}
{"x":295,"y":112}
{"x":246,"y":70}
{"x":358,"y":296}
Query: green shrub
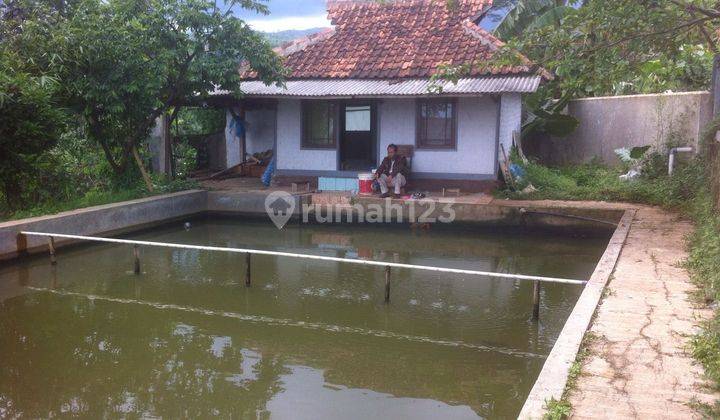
{"x":100,"y":195}
{"x":704,"y":266}
{"x":593,"y":181}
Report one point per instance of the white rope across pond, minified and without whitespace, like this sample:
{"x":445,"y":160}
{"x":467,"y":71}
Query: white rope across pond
{"x":310,"y":257}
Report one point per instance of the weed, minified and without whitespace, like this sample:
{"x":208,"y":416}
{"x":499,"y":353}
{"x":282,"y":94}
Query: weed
{"x":595,"y":182}
{"x":557,"y":410}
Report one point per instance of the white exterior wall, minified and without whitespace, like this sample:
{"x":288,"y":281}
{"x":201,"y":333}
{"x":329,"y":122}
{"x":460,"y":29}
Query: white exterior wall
{"x":232,"y":142}
{"x":476,"y":136}
{"x":510,"y":119}
{"x":476,"y":143}
{"x":290,"y":156}
{"x":260,"y":130}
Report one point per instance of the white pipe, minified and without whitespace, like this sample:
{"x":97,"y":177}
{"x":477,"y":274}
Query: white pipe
{"x":311,"y":257}
{"x":671,"y":159}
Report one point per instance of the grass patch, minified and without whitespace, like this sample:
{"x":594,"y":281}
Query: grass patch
{"x":561,"y":409}
{"x":595,"y":182}
{"x":558,"y":410}
{"x":97,"y":196}
{"x":704,"y":267}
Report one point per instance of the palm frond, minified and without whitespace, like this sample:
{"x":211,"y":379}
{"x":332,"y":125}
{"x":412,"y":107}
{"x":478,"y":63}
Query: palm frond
{"x":523,"y":14}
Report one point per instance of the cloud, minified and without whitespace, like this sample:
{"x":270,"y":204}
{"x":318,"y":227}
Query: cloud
{"x":290,"y":22}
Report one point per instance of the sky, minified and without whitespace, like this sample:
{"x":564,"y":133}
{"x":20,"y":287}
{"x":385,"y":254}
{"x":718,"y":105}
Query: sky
{"x":306,"y":14}
{"x":287,"y":14}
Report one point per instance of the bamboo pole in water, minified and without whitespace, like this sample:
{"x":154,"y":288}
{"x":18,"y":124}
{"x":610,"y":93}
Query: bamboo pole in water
{"x":136,"y":254}
{"x":536,"y":300}
{"x":247,"y":269}
{"x":51,"y":248}
{"x":387,"y":284}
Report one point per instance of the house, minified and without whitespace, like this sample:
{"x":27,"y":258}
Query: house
{"x":366,"y":83}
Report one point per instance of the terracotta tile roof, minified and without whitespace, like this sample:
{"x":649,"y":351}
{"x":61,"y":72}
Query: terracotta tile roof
{"x":400,"y":39}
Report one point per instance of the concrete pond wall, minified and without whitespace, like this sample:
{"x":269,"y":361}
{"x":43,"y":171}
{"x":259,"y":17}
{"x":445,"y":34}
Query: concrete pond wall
{"x":612,"y":122}
{"x":117,"y":218}
{"x":99,"y":221}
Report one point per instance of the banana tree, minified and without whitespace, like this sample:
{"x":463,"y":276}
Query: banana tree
{"x":546,"y":115}
{"x":523,"y":15}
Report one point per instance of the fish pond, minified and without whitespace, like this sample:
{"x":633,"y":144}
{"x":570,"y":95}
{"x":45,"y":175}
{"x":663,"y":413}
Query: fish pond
{"x":308,"y":340}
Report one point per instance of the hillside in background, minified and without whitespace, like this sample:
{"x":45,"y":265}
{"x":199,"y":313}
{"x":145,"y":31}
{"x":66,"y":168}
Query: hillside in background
{"x":277,"y":38}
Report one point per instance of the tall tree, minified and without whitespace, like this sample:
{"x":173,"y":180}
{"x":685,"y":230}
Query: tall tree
{"x":616,"y":47}
{"x":31,"y":119}
{"x":30,"y":124}
{"x":123,"y":63}
{"x":612,"y":47}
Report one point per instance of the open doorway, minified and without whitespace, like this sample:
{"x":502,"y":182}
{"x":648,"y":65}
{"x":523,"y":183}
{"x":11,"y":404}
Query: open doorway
{"x":358,"y":146}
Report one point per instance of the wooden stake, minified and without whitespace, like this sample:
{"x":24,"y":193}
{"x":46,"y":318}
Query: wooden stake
{"x":536,"y":300}
{"x":51,"y":247}
{"x":387,"y":284}
{"x":136,"y":254}
{"x":53,"y":278}
{"x":247,"y":269}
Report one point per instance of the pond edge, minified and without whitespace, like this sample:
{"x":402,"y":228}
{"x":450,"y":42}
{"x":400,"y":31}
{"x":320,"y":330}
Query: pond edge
{"x":553,"y":377}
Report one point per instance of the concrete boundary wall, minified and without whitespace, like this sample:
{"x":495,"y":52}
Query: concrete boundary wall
{"x":553,"y":377}
{"x":99,"y":220}
{"x":612,"y":122}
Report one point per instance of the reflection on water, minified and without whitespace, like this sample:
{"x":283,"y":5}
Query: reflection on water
{"x":309,"y":339}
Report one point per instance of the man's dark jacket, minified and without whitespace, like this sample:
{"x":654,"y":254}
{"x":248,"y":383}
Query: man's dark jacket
{"x":399,"y":166}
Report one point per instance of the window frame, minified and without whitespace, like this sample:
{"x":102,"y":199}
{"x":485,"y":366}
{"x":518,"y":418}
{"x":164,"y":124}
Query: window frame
{"x":421,"y":125}
{"x":304,"y":138}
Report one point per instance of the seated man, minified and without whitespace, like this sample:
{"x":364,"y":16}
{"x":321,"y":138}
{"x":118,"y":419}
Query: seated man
{"x":392,"y":172}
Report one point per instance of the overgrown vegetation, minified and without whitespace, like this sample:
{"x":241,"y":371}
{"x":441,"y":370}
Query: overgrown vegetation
{"x":98,"y":196}
{"x":82,"y":83}
{"x":594,"y":181}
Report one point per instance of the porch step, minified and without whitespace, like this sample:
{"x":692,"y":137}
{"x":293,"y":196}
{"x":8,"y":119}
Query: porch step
{"x":331,"y":198}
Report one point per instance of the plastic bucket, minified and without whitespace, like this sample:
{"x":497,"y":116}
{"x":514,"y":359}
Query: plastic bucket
{"x":365,"y":181}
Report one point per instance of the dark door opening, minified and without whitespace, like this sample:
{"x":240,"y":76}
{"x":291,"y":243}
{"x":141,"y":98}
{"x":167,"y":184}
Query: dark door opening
{"x":358,"y":149}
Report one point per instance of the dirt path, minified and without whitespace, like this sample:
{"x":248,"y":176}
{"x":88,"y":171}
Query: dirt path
{"x":639,"y":365}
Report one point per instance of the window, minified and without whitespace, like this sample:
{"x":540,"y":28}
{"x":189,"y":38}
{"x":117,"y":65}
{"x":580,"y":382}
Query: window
{"x":436,"y":123}
{"x":357,"y":118}
{"x":319,"y":124}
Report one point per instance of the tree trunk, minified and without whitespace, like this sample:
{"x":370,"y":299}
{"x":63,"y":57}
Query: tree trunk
{"x":715,"y":89}
{"x":13,"y":193}
{"x":146,"y":177}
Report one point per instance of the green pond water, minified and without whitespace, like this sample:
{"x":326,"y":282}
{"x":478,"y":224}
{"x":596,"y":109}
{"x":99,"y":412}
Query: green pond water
{"x":309,"y":339}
